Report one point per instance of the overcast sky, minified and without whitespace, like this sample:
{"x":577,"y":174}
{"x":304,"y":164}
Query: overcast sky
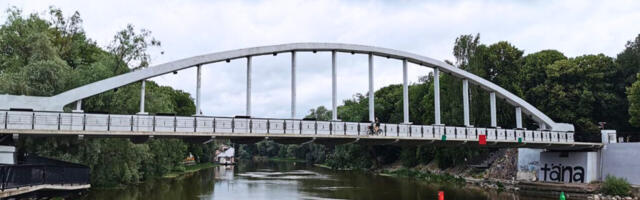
{"x":190,"y":28}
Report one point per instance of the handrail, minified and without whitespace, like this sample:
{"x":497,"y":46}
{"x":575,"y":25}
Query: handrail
{"x":36,"y":120}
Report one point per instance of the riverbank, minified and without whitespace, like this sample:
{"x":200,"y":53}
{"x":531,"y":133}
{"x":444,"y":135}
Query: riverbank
{"x":190,"y":169}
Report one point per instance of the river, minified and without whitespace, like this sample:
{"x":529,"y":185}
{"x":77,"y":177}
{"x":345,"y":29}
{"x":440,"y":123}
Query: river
{"x":290,"y":180}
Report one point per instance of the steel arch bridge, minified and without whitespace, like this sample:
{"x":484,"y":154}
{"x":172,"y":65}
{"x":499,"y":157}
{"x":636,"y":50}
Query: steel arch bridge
{"x":50,"y":108}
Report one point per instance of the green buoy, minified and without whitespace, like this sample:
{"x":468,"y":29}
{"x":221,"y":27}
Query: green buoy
{"x":562,"y":197}
{"x":444,"y":137}
{"x":519,"y":140}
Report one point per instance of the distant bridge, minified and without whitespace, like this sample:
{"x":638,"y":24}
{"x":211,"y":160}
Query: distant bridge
{"x":44,"y":116}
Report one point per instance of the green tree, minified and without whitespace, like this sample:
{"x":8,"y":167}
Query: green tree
{"x":634,"y":102}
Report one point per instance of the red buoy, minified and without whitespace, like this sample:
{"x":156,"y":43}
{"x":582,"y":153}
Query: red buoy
{"x":440,"y":195}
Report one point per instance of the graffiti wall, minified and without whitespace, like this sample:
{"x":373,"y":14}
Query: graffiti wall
{"x":528,"y":161}
{"x":568,"y":167}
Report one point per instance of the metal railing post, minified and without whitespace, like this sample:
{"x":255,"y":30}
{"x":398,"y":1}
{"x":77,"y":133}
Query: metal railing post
{"x":59,"y":120}
{"x":153,"y":123}
{"x":175,"y":123}
{"x":33,"y":121}
{"x":131,"y":123}
{"x":108,"y":122}
{"x":84,"y":122}
{"x":6,"y":119}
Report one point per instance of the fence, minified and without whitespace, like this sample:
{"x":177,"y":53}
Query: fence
{"x":47,"y":171}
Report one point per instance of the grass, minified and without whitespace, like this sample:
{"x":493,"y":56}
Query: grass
{"x":190,"y":169}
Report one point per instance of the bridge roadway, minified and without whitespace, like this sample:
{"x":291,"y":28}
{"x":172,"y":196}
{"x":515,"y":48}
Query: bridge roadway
{"x":287,"y":131}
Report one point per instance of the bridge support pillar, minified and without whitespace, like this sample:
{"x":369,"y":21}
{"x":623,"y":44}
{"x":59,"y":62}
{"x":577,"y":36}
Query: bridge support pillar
{"x":293,"y":85}
{"x":518,"y":117}
{"x":405,"y":92}
{"x":492,"y":103}
{"x":78,"y":107}
{"x":465,"y":101}
{"x":372,"y":116}
{"x":248,"y":113}
{"x":142,"y":92}
{"x":198,"y":82}
{"x":436,"y":94}
{"x":334,"y":88}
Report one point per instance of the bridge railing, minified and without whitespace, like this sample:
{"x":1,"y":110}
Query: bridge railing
{"x":117,"y":123}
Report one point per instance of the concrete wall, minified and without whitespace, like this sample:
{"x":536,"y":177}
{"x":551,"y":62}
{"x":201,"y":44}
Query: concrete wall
{"x":528,"y":162}
{"x":622,"y":160}
{"x":7,"y":155}
{"x":568,"y":167}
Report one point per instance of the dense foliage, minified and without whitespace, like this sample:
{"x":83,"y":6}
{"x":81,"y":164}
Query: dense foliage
{"x":615,"y":186}
{"x":43,"y":57}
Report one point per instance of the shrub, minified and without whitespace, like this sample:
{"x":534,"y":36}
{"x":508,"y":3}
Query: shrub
{"x":615,"y":186}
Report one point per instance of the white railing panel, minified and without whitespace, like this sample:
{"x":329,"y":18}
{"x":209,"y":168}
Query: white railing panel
{"x":96,"y":122}
{"x":416,"y":131}
{"x":259,"y":126}
{"x":438,"y":132}
{"x":351,"y":128}
{"x":520,"y":135}
{"x":143,"y":123}
{"x":546,"y":136}
{"x":450,"y":132}
{"x":204,"y":124}
{"x":241,"y":125}
{"x":537,"y":136}
{"x":337,"y":128}
{"x":562,"y":137}
{"x":528,"y":136}
{"x":491,"y":134}
{"x":276,"y":126}
{"x":511,"y":135}
{"x":3,"y":119}
{"x":570,"y":137}
{"x":323,"y":128}
{"x":390,"y":130}
{"x":461,"y":133}
{"x":164,"y":123}
{"x":554,"y":137}
{"x":292,"y":127}
{"x":185,"y":124}
{"x":472,"y":133}
{"x":501,"y":134}
{"x":45,"y":121}
{"x":308,"y":127}
{"x":120,"y":122}
{"x":19,"y":120}
{"x":364,"y":128}
{"x":223,"y":125}
{"x":403,"y":130}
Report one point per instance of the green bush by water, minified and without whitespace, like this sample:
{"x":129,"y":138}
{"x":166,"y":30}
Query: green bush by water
{"x":616,"y":186}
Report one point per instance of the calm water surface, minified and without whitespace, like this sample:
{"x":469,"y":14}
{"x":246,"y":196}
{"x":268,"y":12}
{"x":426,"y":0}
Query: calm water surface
{"x":289,"y":180}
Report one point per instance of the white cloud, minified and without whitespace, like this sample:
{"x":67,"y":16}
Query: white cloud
{"x":189,"y":28}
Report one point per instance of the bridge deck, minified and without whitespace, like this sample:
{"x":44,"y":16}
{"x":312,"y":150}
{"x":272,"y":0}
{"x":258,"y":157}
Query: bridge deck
{"x":115,"y":125}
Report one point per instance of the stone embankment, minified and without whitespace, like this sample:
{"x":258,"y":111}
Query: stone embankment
{"x":609,"y":197}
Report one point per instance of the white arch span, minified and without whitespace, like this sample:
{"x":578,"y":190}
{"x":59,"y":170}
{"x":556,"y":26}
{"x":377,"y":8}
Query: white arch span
{"x":57,"y":102}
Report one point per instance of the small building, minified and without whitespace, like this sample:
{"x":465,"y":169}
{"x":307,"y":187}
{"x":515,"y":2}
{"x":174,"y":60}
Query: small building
{"x":7,"y":155}
{"x":225,"y":156}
